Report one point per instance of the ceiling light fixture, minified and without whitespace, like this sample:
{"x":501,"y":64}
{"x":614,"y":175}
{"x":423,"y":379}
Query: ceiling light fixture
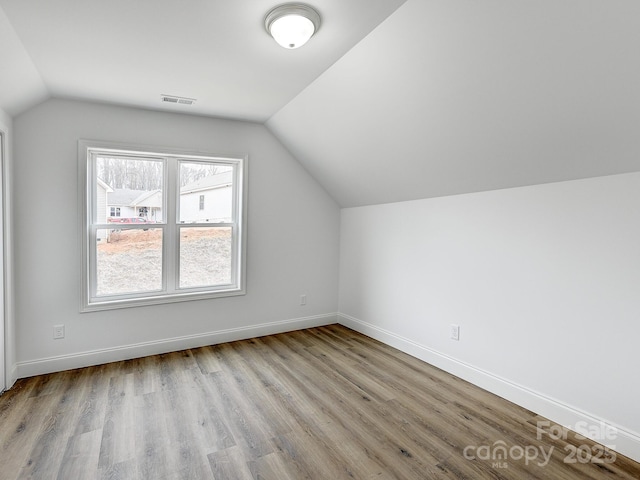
{"x":292,"y":24}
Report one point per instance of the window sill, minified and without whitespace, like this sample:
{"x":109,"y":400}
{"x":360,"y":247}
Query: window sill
{"x":158,"y":300}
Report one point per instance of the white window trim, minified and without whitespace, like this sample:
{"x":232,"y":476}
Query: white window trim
{"x":170,"y":246}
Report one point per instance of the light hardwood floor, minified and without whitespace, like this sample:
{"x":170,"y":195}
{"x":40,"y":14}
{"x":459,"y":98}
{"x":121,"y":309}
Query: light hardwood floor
{"x":323,"y":403}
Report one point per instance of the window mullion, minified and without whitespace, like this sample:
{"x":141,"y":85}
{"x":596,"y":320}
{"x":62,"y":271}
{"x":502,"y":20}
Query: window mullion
{"x":170,"y":259}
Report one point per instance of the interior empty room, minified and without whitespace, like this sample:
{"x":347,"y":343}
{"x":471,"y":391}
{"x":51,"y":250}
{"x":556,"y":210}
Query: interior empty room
{"x":391,"y":239}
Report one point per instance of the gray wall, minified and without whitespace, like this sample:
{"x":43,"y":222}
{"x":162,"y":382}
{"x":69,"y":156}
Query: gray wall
{"x":293,"y":239}
{"x":542,"y":280}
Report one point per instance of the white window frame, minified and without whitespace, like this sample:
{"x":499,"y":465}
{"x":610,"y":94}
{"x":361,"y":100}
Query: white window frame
{"x":170,"y":292}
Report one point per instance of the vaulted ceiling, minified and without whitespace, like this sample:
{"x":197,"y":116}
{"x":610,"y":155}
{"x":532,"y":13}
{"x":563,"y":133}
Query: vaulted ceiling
{"x":390,"y":101}
{"x":132,"y":51}
{"x":457,"y":96}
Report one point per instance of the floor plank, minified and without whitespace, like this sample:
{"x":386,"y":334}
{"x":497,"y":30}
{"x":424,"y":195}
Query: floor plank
{"x":321,"y":403}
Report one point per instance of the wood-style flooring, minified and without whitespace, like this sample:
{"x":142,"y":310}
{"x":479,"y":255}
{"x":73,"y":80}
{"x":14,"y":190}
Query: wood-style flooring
{"x":323,"y":403}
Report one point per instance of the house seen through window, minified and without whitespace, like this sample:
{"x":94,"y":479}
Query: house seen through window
{"x":161,"y":227}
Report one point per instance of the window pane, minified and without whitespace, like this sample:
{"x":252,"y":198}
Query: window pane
{"x":129,"y":190}
{"x":206,"y":193}
{"x":205,"y":256}
{"x":129,"y":261}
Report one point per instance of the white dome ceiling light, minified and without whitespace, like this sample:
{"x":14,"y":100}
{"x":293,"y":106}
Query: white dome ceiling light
{"x":292,"y":24}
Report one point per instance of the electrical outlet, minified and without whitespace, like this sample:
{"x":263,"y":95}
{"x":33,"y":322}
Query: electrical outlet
{"x":303,"y":299}
{"x":58,"y":332}
{"x":455,"y":332}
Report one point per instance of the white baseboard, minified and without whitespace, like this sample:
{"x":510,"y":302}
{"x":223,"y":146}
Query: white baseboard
{"x":125,"y":352}
{"x":624,"y":441}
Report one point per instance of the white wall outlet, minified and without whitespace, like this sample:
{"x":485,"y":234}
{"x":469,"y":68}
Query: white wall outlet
{"x":303,"y":299}
{"x":58,"y":331}
{"x":455,"y":332}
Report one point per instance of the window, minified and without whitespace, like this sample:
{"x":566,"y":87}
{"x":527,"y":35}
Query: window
{"x":165,"y":247}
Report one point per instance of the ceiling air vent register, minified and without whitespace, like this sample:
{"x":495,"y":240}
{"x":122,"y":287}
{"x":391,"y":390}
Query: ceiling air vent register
{"x":178,"y":100}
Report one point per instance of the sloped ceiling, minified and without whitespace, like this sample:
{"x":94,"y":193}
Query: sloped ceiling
{"x":131,"y":52}
{"x":21,"y":85}
{"x":456,"y":96}
{"x":443,"y":97}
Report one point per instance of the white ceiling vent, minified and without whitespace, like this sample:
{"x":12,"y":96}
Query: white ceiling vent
{"x":174,"y":99}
